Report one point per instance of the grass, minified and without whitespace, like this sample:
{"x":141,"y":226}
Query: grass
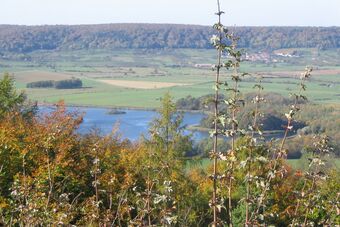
{"x":172,"y":66}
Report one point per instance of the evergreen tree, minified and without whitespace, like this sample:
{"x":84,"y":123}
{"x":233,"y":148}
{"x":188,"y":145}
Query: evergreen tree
{"x":11,"y":100}
{"x":167,"y":130}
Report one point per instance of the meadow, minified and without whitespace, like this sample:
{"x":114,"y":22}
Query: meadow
{"x":138,"y":78}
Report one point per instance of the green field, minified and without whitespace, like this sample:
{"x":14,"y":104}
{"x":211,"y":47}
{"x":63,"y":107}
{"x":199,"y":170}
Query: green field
{"x":175,"y":66}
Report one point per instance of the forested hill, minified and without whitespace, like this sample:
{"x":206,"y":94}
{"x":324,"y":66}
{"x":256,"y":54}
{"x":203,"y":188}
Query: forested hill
{"x":23,"y":39}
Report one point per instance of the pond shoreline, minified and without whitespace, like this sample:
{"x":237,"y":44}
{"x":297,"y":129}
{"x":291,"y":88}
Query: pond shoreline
{"x":190,"y":127}
{"x":117,"y":107}
{"x":132,"y":122}
{"x":204,"y":129}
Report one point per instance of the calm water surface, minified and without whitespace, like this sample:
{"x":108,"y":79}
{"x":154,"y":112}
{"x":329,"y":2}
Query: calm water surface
{"x":131,"y":125}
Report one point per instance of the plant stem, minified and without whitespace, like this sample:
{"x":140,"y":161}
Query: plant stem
{"x":288,"y":127}
{"x":233,"y":139}
{"x":49,"y":181}
{"x":308,"y":203}
{"x":254,"y":127}
{"x":216,"y":112}
{"x":96,"y":182}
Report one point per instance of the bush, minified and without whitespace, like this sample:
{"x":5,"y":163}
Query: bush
{"x":41,"y":84}
{"x":62,"y":84}
{"x":68,"y":84}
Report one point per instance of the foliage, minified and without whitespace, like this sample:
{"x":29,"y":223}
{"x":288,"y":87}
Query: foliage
{"x":204,"y":146}
{"x":68,"y":84}
{"x":23,"y":39}
{"x":167,"y":130}
{"x":60,"y":84}
{"x":314,"y":119}
{"x":11,"y":100}
{"x":51,"y":175}
{"x":41,"y":84}
{"x":272,"y":120}
{"x":262,"y":167}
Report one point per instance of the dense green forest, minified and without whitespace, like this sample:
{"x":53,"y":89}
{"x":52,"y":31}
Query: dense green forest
{"x":23,"y":39}
{"x":61,"y":84}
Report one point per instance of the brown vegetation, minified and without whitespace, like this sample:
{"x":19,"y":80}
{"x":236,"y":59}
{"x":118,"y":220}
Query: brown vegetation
{"x":33,"y":76}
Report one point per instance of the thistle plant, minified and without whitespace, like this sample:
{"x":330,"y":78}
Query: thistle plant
{"x":217,"y":43}
{"x":234,"y":103}
{"x":309,"y":197}
{"x":225,"y":122}
{"x":295,"y":108}
{"x":277,"y":169}
{"x":253,"y":144}
{"x":95,"y":183}
{"x":150,"y":183}
{"x":154,"y":202}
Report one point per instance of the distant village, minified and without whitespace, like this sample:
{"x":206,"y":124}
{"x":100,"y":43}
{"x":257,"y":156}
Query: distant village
{"x":264,"y":57}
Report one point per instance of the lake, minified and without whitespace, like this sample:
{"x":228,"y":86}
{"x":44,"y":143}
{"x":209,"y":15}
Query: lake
{"x":132,"y":124}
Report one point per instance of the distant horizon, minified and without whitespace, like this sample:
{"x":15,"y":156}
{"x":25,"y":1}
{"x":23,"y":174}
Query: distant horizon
{"x":142,"y":23}
{"x":259,"y":13}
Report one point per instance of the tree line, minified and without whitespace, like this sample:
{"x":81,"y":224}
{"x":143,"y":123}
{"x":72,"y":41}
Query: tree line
{"x":60,"y":84}
{"x":24,"y":39}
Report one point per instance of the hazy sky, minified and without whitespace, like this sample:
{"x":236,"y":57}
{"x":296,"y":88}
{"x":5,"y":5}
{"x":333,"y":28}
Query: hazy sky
{"x":239,"y":12}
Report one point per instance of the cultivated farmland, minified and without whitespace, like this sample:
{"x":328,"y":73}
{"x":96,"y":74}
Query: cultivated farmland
{"x":138,"y":78}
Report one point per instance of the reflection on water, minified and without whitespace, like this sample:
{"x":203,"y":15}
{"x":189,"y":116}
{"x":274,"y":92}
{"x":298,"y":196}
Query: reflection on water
{"x":131,"y":125}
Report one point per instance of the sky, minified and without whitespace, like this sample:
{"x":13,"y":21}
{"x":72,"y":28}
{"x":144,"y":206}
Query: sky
{"x":201,"y":12}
